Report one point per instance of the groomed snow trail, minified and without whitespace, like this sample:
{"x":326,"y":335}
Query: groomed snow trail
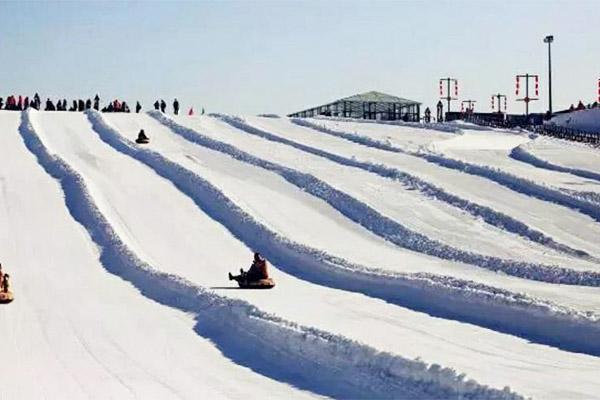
{"x":510,"y":195}
{"x":260,"y":225}
{"x":170,"y":231}
{"x":383,"y":331}
{"x":361,"y":211}
{"x":75,"y":331}
{"x":308,"y":357}
{"x":387,"y":165}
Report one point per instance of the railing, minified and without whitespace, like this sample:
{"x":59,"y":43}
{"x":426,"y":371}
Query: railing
{"x":568,"y":133}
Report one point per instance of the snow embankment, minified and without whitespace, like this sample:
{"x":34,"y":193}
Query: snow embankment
{"x":313,"y":358}
{"x":525,"y":153}
{"x":442,"y":296}
{"x":584,"y":120}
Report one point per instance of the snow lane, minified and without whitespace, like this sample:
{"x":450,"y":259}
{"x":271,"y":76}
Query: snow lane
{"x":362,"y":213}
{"x":280,"y":131}
{"x":74,"y":331}
{"x":510,"y":195}
{"x":415,"y":334}
{"x":310,"y":357}
{"x":249,"y":186}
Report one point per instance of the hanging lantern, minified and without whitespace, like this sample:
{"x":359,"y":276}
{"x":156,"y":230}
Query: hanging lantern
{"x":517,"y":89}
{"x":537,"y":85}
{"x":505,"y":108}
{"x":441,"y":89}
{"x":462,"y":107}
{"x":456,"y":88}
{"x":492,"y":103}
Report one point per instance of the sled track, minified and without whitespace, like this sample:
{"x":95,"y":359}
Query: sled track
{"x":303,"y":356}
{"x":442,"y":296}
{"x":392,"y":230}
{"x":487,"y":214}
{"x":574,"y":200}
{"x":520,"y":153}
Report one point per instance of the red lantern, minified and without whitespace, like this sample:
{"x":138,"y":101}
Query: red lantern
{"x":456,"y":88}
{"x":441,"y":90}
{"x":537,"y":86}
{"x":517,"y":90}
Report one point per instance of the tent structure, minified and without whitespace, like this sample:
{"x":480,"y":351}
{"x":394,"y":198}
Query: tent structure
{"x":369,"y":105}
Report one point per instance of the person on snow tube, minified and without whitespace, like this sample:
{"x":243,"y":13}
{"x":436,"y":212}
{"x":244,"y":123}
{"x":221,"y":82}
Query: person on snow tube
{"x":142,"y":138}
{"x":258,"y":270}
{"x":6,"y":283}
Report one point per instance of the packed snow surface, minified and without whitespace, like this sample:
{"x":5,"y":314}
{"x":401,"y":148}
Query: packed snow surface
{"x":411,"y":261}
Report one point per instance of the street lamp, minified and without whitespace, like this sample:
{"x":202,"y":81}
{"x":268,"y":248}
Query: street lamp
{"x":549,"y":39}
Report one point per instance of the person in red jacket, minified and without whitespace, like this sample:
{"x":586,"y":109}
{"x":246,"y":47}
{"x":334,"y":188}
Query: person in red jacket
{"x":258,"y":270}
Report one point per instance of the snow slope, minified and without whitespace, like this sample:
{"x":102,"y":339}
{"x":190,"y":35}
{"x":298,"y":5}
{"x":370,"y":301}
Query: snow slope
{"x":503,"y":194}
{"x":78,"y":332}
{"x":358,"y":311}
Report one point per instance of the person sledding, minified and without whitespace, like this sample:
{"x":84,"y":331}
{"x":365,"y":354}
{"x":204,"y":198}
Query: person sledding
{"x":6,"y":295}
{"x":256,"y":277}
{"x":142,"y":138}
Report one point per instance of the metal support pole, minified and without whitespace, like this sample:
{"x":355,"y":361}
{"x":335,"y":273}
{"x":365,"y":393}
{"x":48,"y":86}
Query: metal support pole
{"x":549,"y":39}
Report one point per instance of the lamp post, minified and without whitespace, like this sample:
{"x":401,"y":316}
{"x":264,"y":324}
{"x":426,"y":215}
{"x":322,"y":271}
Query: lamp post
{"x":549,"y":39}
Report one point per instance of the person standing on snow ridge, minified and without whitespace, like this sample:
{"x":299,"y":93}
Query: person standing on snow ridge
{"x":138,"y":107}
{"x":96,"y":102}
{"x":163,"y":106}
{"x":156,"y":105}
{"x":176,"y":107}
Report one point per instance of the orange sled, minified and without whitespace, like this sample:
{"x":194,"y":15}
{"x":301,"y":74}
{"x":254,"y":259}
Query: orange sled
{"x":260,"y":284}
{"x":6,"y":297}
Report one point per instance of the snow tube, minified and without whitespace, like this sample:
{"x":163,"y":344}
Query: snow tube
{"x":142,"y":141}
{"x":6,"y":297}
{"x":259,"y":284}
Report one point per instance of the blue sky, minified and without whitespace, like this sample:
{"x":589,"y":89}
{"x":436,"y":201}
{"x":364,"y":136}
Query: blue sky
{"x":281,"y":56}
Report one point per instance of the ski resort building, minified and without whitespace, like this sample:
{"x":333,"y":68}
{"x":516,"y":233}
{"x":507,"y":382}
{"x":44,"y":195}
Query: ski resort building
{"x":370,"y":105}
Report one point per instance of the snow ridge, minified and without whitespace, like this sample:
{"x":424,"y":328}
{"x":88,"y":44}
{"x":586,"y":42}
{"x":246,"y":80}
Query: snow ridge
{"x":442,"y":296}
{"x":520,"y":153}
{"x":437,"y":126}
{"x":487,"y":214}
{"x":357,"y":369}
{"x":577,"y":201}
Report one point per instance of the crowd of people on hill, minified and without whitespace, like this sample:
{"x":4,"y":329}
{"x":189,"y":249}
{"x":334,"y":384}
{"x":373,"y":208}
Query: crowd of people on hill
{"x":581,"y":106}
{"x":20,"y":103}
